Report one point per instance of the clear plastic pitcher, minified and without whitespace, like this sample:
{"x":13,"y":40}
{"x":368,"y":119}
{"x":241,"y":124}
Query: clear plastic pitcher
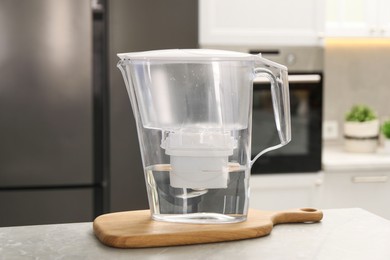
{"x":193,"y":110}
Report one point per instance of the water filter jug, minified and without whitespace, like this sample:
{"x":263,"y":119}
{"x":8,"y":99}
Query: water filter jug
{"x":193,"y":110}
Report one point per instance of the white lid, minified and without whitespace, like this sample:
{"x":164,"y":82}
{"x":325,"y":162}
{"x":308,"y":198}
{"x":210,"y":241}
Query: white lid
{"x":187,"y":54}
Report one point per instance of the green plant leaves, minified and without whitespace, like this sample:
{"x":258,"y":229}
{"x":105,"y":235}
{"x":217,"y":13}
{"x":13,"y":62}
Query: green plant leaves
{"x":360,"y":113}
{"x":386,"y":129}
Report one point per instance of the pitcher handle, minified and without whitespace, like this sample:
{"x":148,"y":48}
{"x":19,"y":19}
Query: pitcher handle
{"x":277,"y":74}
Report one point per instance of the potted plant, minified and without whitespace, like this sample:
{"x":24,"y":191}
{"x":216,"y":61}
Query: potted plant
{"x":386,"y":133}
{"x":361,"y":130}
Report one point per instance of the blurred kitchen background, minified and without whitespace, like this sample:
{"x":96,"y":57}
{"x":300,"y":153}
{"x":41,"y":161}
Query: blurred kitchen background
{"x":69,"y":150}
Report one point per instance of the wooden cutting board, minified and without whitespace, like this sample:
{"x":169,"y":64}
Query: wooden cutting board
{"x":136,"y":229}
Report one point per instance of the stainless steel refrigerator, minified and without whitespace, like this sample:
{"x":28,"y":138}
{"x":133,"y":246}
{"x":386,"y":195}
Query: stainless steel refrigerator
{"x":47,"y":160}
{"x":68,"y":144}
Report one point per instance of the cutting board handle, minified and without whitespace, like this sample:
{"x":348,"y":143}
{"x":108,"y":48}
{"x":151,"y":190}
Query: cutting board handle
{"x":302,"y":215}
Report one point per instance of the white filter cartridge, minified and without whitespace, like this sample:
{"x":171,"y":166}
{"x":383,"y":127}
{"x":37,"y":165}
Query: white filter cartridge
{"x":199,"y":160}
{"x":199,"y":172}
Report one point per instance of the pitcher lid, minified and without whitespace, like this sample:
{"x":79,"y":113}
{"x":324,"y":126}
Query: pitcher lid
{"x":187,"y":54}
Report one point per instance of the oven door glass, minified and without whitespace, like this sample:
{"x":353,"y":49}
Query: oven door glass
{"x":303,"y":153}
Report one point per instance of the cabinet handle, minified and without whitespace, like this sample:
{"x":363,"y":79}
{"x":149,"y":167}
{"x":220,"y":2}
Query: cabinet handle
{"x":369,"y":179}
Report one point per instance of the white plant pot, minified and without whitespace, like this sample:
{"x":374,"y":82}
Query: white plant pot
{"x":386,"y":145}
{"x":361,"y":137}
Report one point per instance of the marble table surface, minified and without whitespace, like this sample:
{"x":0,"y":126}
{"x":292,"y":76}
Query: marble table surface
{"x":342,"y":234}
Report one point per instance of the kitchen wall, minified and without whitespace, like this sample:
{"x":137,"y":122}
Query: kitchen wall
{"x":356,"y":72}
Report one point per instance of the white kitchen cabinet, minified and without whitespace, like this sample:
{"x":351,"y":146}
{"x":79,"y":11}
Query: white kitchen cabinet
{"x":261,"y":22}
{"x":348,"y":180}
{"x":357,"y":18}
{"x":365,"y":189}
{"x":356,"y":180}
{"x":384,"y":13}
{"x":284,"y":191}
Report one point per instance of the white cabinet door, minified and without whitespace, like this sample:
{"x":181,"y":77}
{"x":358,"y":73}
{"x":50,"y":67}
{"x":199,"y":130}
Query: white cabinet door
{"x":384,"y":28}
{"x":261,"y":22}
{"x":357,"y":18}
{"x":350,"y":17}
{"x":284,"y":191}
{"x":367,"y":190}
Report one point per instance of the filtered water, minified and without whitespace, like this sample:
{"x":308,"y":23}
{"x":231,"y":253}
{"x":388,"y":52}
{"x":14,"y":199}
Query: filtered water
{"x":198,"y":205}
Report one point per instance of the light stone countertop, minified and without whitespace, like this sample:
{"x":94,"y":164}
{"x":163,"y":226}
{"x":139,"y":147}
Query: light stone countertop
{"x":334,"y":158}
{"x":342,"y":234}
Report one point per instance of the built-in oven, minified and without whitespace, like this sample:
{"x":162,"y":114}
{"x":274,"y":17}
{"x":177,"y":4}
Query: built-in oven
{"x":305,"y":68}
{"x":303,"y":153}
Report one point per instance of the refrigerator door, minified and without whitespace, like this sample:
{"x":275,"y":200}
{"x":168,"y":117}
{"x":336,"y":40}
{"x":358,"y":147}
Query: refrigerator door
{"x":46,"y":116}
{"x":45,"y":206}
{"x":137,"y":26}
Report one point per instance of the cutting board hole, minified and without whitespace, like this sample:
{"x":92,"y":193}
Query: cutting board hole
{"x":308,"y":210}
